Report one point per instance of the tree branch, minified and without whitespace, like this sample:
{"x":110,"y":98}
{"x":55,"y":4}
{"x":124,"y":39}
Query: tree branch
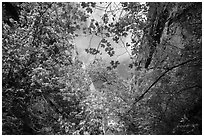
{"x":171,"y":68}
{"x":125,"y":47}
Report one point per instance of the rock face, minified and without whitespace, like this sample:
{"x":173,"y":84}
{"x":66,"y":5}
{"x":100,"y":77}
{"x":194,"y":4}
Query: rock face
{"x":172,"y":37}
{"x":171,"y":25}
{"x":180,"y":39}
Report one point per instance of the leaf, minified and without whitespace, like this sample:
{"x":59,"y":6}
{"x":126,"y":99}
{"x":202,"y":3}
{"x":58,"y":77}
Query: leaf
{"x":103,"y":41}
{"x":89,"y":10}
{"x":84,"y":4}
{"x":102,"y":45}
{"x":130,"y":65}
{"x":105,"y":18}
{"x":116,"y":39}
{"x":107,"y":34}
{"x":109,"y":68}
{"x":127,"y":44}
{"x":87,"y":50}
{"x":109,"y":44}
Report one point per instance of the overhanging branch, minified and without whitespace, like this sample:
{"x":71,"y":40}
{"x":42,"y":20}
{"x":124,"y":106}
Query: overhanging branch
{"x":171,"y":68}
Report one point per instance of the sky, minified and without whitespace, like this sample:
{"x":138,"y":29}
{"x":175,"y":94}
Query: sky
{"x":83,"y":42}
{"x":87,"y":41}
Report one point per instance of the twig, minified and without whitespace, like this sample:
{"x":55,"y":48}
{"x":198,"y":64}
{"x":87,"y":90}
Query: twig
{"x":90,"y":40}
{"x":124,"y":46}
{"x":99,"y":46}
{"x":121,"y":54}
{"x":107,"y":6}
{"x":147,"y":90}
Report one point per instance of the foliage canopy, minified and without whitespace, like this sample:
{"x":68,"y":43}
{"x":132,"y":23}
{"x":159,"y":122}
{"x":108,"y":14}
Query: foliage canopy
{"x":46,"y":89}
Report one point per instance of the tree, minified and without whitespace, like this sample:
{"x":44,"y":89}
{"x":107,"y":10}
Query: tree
{"x":173,"y":60}
{"x":46,"y":91}
{"x":109,"y":100}
{"x":42,"y":84}
{"x":169,"y":68}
